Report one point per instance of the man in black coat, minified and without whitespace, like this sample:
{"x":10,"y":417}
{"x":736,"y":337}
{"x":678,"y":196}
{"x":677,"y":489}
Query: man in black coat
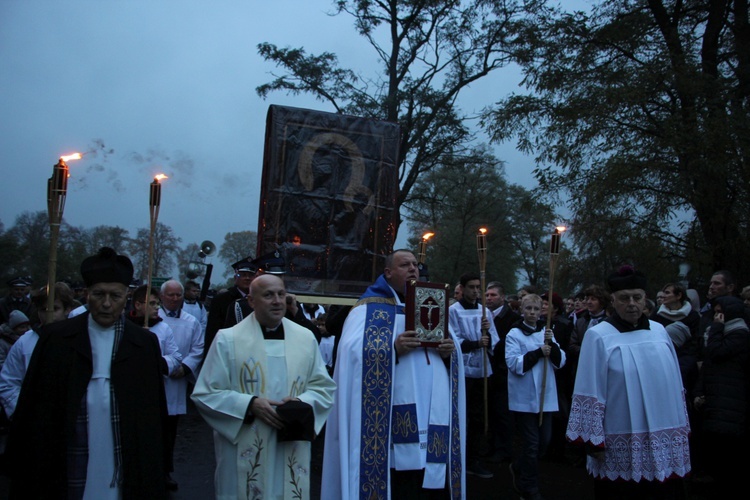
{"x":502,"y":418}
{"x":91,"y":412}
{"x":244,"y":272}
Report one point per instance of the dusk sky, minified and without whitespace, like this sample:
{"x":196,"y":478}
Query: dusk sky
{"x":164,"y":86}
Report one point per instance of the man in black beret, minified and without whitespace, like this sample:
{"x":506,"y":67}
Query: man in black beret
{"x":628,"y":405}
{"x":90,"y":415}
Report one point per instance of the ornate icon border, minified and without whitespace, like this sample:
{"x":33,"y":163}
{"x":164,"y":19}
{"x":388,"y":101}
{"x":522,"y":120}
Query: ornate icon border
{"x":417,"y":292}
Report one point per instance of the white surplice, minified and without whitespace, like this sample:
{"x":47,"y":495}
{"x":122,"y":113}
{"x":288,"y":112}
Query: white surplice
{"x":629,"y":398}
{"x":188,"y":336}
{"x":466,"y":324}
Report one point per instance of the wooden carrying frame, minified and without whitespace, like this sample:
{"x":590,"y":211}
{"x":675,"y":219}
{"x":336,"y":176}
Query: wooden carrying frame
{"x":427,"y":311}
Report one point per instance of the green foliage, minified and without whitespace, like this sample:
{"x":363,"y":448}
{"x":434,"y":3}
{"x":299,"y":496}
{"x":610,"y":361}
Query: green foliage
{"x":237,"y":246}
{"x":638,"y":116}
{"x":454,"y":201}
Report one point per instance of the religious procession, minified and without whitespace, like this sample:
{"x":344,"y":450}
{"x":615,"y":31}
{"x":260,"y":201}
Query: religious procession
{"x":335,"y":367}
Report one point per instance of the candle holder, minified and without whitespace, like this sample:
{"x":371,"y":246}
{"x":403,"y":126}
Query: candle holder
{"x":482,"y":254}
{"x":57,"y":191}
{"x":554,"y":252}
{"x":154,"y":203}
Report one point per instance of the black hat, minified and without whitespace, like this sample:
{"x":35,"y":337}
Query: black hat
{"x":135,"y":283}
{"x":246,"y":264}
{"x":107,"y":267}
{"x":271,"y":263}
{"x":626,"y":278}
{"x":18,"y":281}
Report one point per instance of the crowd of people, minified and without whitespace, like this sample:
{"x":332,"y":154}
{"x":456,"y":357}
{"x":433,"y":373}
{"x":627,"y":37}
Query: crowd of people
{"x":646,"y":393}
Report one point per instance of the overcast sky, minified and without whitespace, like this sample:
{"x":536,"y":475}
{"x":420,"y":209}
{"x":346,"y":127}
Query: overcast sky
{"x":168,"y":87}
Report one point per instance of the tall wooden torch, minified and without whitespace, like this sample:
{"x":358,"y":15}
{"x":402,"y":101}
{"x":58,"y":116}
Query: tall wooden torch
{"x":57,"y":190}
{"x":421,"y":257}
{"x":154,"y":203}
{"x":554,"y":252}
{"x":482,"y":254}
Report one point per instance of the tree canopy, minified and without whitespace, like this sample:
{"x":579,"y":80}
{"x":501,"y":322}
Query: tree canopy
{"x":638,"y":113}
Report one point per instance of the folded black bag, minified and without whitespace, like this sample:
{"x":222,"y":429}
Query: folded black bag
{"x":299,"y":421}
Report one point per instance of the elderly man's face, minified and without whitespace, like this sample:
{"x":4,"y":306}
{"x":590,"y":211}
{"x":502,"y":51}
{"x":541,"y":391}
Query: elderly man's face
{"x":171,"y":297}
{"x":106,"y":302}
{"x":630,"y":304}
{"x":268,"y":299}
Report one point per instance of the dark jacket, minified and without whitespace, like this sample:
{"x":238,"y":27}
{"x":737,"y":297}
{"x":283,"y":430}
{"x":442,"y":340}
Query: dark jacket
{"x":687,"y":353}
{"x":50,"y":400}
{"x":723,"y":376}
{"x":217,"y":314}
{"x":503,"y":323}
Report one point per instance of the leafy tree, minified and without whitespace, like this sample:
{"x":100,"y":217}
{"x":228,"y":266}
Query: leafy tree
{"x":10,"y":254}
{"x":237,"y":246}
{"x":429,"y":51}
{"x":107,"y":236}
{"x":531,"y":225}
{"x":639,"y":114}
{"x":166,"y":246}
{"x":454,"y":201}
{"x":31,"y":234}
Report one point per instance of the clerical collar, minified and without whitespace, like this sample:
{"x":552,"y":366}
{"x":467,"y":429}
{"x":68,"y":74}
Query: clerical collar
{"x":468,"y":305}
{"x":276,"y":333}
{"x":623,"y":326}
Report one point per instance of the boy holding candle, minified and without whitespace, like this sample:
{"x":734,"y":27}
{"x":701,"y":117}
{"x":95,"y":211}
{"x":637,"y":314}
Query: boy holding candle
{"x":528,"y":346}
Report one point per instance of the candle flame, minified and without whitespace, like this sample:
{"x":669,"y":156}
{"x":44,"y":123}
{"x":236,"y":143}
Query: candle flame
{"x":427,"y":236}
{"x":560,"y":229}
{"x":74,"y":156}
{"x":483,"y":230}
{"x":160,"y":177}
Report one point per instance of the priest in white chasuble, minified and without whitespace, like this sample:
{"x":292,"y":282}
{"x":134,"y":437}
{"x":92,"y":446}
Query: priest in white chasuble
{"x":265,"y":391}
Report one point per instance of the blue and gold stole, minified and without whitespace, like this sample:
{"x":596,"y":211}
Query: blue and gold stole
{"x":380,"y":421}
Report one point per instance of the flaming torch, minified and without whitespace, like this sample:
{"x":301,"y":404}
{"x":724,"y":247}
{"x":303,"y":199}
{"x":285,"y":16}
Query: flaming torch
{"x":423,"y":246}
{"x":423,"y":274}
{"x":57,"y":190}
{"x":482,"y":254}
{"x":153,"y":204}
{"x":554,"y":252}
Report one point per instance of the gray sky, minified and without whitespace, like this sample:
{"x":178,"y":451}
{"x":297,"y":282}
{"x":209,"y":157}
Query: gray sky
{"x":168,"y":87}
